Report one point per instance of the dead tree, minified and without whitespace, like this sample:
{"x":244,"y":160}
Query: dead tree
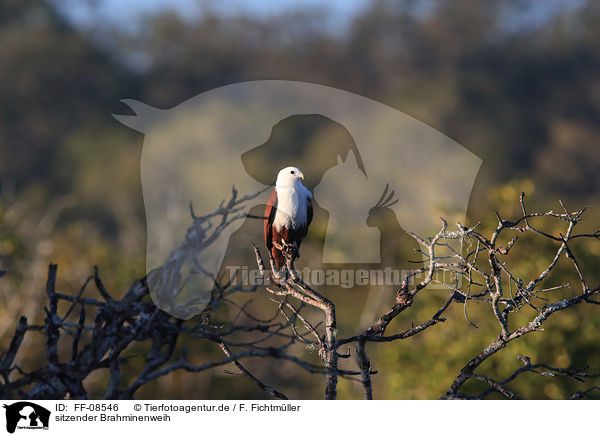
{"x":96,"y":330}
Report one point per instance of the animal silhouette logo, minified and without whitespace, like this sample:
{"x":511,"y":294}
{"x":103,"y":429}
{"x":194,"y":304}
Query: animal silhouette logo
{"x":26,"y":415}
{"x":193,"y":155}
{"x":397,"y":247}
{"x":344,"y":191}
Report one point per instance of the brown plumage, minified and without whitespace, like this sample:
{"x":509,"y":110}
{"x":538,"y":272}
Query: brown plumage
{"x":290,"y":225}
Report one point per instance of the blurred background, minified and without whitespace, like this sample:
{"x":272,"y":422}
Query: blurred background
{"x":515,"y":81}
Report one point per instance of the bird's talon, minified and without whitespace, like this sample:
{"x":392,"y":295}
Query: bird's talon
{"x":275,"y":275}
{"x":288,"y":191}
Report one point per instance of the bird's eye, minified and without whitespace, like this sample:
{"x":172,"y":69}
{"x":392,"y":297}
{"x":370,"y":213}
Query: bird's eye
{"x":293,"y":172}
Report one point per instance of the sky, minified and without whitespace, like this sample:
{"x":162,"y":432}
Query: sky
{"x":85,"y":12}
{"x":127,"y":13}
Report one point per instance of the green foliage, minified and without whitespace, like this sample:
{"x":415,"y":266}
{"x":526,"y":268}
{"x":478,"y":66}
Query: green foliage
{"x":524,"y":100}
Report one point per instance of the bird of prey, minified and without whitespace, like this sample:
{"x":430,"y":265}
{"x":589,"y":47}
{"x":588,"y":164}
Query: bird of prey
{"x":288,"y":214}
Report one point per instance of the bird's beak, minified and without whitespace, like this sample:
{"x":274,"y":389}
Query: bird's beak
{"x":301,"y":175}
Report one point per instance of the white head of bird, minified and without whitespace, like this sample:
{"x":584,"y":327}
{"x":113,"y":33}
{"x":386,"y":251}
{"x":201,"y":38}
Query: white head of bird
{"x":289,"y":177}
{"x":288,"y":214}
